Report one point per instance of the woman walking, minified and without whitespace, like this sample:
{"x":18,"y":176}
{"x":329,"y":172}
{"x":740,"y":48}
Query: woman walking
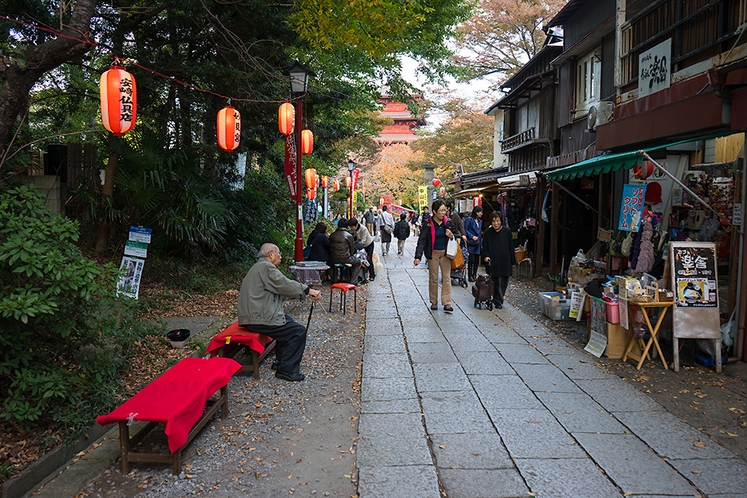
{"x":434,"y":235}
{"x":498,"y":250}
{"x":473,"y":227}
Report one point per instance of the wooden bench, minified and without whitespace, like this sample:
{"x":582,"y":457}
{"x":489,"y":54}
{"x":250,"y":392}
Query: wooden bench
{"x":182,"y":400}
{"x":235,"y":338}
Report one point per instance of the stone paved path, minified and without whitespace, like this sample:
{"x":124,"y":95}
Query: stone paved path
{"x":492,"y":404}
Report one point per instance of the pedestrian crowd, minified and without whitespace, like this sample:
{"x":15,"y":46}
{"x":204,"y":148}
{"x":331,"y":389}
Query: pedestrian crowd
{"x":443,"y":237}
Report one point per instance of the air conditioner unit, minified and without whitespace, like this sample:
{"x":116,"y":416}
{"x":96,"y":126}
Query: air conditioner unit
{"x":600,"y":113}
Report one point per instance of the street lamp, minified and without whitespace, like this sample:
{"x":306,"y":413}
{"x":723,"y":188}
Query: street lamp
{"x":351,"y":168}
{"x":299,"y":80}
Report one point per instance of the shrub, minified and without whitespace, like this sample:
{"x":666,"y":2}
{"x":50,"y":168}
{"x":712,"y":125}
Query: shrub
{"x":62,"y":350}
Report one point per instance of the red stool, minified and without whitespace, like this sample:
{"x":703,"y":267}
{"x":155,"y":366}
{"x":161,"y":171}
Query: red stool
{"x":344,"y":288}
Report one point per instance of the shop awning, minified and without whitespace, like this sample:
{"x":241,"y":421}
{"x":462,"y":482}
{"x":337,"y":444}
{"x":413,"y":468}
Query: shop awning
{"x":612,"y":162}
{"x":503,"y":181}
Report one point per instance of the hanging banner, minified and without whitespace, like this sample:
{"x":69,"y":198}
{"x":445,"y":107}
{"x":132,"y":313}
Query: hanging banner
{"x":289,"y":167}
{"x":631,"y":208}
{"x":311,"y":211}
{"x":356,"y":172}
{"x":422,"y":197}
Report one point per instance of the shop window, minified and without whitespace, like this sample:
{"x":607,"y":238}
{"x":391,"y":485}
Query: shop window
{"x":588,"y":81}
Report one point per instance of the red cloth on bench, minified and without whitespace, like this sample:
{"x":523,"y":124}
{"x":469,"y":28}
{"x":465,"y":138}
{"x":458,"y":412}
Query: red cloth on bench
{"x":177,"y":398}
{"x":239,"y":335}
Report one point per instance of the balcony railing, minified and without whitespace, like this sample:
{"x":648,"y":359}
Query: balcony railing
{"x":517,"y":140}
{"x":695,"y":26}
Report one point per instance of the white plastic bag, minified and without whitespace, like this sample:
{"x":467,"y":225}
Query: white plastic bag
{"x":451,"y":248}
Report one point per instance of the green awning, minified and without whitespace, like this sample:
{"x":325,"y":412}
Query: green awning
{"x":613,"y":162}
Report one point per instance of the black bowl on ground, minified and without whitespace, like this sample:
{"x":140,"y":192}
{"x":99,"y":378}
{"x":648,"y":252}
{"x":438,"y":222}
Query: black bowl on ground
{"x":178,"y":337}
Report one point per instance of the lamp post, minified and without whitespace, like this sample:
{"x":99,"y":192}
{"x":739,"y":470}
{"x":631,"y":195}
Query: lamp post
{"x":299,"y":80}
{"x":351,"y":168}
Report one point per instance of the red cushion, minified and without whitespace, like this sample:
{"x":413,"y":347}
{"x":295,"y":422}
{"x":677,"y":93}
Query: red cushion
{"x":343,"y":287}
{"x":239,"y":335}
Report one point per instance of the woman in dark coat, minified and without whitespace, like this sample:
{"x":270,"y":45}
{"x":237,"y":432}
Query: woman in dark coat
{"x":473,"y":227}
{"x":498,"y":251}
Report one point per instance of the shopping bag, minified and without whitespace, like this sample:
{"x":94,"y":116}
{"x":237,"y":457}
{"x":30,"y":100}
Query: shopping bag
{"x":458,"y":260}
{"x":452,"y":248}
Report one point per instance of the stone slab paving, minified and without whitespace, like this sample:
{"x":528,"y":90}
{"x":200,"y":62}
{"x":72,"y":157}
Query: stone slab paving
{"x":492,"y":404}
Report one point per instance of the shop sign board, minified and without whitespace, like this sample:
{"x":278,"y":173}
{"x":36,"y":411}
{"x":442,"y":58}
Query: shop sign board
{"x":654,"y":68}
{"x":631,"y":207}
{"x":694,"y":279}
{"x":694,"y":272}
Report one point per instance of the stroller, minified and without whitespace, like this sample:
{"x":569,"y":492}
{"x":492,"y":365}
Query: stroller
{"x":459,"y":267}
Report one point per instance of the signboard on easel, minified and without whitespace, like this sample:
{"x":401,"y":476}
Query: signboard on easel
{"x":695,"y":283}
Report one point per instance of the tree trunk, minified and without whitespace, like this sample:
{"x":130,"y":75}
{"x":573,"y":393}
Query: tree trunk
{"x":17,"y":80}
{"x":107,"y":194}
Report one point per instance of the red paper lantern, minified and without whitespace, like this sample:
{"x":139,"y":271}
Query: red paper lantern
{"x":643,"y":169}
{"x":325,"y":181}
{"x":336,"y":185}
{"x":310,"y":177}
{"x":118,"y":100}
{"x":286,"y":118}
{"x":476,"y":201}
{"x":307,"y":141}
{"x":436,"y":182}
{"x":347,"y":181}
{"x":228,"y":128}
{"x":311,"y":193}
{"x":442,"y":191}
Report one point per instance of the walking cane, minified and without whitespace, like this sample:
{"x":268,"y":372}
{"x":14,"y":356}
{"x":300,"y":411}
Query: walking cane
{"x":308,"y":322}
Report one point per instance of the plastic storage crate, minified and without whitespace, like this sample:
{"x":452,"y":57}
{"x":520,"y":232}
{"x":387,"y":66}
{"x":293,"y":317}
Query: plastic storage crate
{"x":554,"y":306}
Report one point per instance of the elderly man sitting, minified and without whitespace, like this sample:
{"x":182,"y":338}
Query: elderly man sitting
{"x":261,"y":310}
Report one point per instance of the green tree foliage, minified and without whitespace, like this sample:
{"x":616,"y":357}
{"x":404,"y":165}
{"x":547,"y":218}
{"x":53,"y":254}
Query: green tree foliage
{"x":61,"y":354}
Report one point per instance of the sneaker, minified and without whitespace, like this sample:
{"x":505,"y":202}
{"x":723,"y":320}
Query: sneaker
{"x":448,"y":309}
{"x":290,"y":377}
{"x":434,"y":307}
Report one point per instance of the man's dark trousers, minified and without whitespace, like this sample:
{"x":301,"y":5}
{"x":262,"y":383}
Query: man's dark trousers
{"x":290,"y":345}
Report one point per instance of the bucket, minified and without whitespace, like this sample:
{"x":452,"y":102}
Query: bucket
{"x":520,"y":254}
{"x":613,"y":312}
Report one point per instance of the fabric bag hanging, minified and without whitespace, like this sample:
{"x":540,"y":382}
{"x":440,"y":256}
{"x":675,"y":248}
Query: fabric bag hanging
{"x":451,"y":248}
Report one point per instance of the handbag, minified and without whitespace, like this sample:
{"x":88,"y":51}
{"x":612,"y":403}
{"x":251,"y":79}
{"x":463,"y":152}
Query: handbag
{"x":386,"y":228}
{"x":451,"y":248}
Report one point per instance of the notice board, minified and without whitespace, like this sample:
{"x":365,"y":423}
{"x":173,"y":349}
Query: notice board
{"x":695,"y":284}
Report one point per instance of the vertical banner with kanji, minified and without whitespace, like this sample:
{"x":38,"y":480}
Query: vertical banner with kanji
{"x":631,"y":207}
{"x":289,"y":167}
{"x":422,"y":197}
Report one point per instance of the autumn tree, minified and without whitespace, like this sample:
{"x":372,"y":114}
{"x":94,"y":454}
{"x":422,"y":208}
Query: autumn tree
{"x":396,"y":171}
{"x":503,"y":35}
{"x":463,"y":142}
